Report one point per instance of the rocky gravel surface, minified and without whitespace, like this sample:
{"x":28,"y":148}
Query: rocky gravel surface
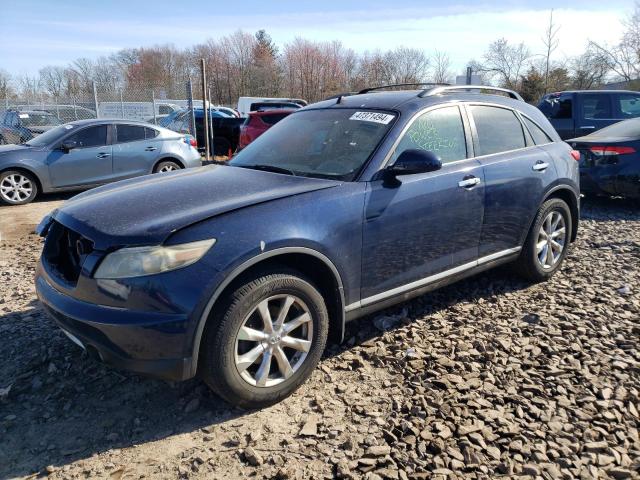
{"x":488,"y":378}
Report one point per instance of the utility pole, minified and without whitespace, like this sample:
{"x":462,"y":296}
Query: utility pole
{"x":204,"y":108}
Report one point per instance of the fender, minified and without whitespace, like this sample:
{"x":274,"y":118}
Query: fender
{"x":557,"y":187}
{"x":168,"y":156}
{"x":248,"y":264}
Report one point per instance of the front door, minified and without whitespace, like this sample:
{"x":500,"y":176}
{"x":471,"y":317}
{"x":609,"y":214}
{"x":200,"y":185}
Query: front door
{"x":428,"y":223}
{"x":89,"y":163}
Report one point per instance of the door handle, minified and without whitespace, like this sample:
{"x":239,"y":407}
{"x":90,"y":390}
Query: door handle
{"x":540,"y":166}
{"x":150,"y":149}
{"x":103,"y":155}
{"x":469,"y":182}
{"x":588,"y":127}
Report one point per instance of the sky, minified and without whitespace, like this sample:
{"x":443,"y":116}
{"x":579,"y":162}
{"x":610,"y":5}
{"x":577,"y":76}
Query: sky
{"x":55,"y":32}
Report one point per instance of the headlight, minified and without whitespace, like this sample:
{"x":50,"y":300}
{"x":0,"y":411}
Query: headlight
{"x":139,"y":261}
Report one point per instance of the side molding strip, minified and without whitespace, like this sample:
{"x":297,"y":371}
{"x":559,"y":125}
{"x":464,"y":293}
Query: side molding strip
{"x":427,"y":280}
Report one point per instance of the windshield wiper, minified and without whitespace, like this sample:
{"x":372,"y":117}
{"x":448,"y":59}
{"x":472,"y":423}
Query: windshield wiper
{"x":270,"y":168}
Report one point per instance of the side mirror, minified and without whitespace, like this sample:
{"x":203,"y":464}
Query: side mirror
{"x":413,"y":161}
{"x":68,"y":146}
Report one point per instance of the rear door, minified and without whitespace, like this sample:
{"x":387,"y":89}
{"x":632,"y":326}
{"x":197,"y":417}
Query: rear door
{"x":595,"y":112}
{"x":559,"y":109}
{"x":430,"y":222}
{"x":90,"y":163}
{"x":135,"y":150}
{"x":516,"y":174}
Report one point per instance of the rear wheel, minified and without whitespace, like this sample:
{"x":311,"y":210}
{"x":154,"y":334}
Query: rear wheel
{"x":266,"y":340}
{"x":166,"y":166}
{"x":547,"y":242}
{"x":17,"y":187}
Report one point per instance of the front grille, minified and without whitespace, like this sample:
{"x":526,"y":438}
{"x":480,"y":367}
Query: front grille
{"x":65,"y":251}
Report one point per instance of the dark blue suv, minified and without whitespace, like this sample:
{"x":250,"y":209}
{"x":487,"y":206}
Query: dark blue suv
{"x":240,"y":272}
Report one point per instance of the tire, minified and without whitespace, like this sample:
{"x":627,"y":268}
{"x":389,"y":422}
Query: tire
{"x":17,"y":187}
{"x":536,"y":262}
{"x":228,"y":365}
{"x":166,"y":166}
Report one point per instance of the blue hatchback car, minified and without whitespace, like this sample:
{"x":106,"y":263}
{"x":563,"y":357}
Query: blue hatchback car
{"x":239,"y":273}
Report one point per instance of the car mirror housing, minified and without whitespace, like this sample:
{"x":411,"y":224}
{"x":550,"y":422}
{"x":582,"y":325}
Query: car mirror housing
{"x":413,"y":161}
{"x":68,"y":146}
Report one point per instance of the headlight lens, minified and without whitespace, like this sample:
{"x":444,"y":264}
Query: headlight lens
{"x":139,"y":261}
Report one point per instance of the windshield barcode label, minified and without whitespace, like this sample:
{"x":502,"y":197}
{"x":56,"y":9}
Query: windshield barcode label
{"x":376,"y":117}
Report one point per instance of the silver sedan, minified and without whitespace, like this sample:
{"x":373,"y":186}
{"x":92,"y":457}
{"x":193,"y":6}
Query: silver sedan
{"x":83,"y":154}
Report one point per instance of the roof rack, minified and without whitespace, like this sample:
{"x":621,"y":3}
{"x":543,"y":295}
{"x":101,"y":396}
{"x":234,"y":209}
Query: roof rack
{"x":493,"y":90}
{"x":370,"y":89}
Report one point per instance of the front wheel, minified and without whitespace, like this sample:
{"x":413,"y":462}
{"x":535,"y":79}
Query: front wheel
{"x":547,"y":242}
{"x":17,"y":187}
{"x":266,"y":340}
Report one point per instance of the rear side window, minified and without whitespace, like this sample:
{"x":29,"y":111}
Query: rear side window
{"x":629,"y":105}
{"x":150,"y":133}
{"x":130,"y":133}
{"x":557,"y":107}
{"x":90,"y":137}
{"x":439,"y":131}
{"x":273,"y":119}
{"x":499,"y":130}
{"x":539,"y":137}
{"x":596,"y":105}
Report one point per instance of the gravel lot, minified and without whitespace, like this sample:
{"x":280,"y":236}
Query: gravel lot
{"x":487,"y":378}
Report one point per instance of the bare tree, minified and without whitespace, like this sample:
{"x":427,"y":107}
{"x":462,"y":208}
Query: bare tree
{"x":550,"y":41}
{"x":5,"y":86}
{"x":53,"y":79}
{"x":588,"y":70}
{"x":506,"y":61}
{"x":441,"y":67}
{"x":623,"y":59}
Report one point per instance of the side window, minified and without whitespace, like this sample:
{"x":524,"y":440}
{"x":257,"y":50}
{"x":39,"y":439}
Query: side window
{"x":15,"y":120}
{"x":90,"y":137}
{"x":539,"y":137}
{"x":150,"y":133}
{"x":557,"y":107}
{"x":164,"y":110}
{"x":439,"y":131}
{"x":274,"y":118}
{"x":129,"y":133}
{"x":596,"y":105}
{"x":628,"y":105}
{"x":499,"y":130}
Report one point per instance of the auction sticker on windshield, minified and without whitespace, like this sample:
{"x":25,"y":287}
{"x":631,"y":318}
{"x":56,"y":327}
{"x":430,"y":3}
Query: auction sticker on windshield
{"x":376,"y":117}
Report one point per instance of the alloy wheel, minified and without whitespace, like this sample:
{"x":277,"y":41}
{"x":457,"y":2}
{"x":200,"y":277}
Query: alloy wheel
{"x":274,"y":340}
{"x":167,"y":168}
{"x":16,"y":188}
{"x":551,"y":240}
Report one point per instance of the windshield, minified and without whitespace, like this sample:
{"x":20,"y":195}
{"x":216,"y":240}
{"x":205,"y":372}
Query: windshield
{"x":50,"y":136}
{"x":333,"y":143}
{"x":38,"y":119}
{"x":628,"y":128}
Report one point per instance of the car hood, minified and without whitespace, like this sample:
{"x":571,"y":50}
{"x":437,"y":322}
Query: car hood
{"x":5,"y":149}
{"x":146,"y":210}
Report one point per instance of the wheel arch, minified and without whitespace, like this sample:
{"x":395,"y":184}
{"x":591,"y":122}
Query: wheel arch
{"x":567,"y":194}
{"x":308,"y":262}
{"x":167,"y":158}
{"x":22,"y":168}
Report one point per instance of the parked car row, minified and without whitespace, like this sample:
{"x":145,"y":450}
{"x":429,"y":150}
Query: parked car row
{"x":240,"y":273}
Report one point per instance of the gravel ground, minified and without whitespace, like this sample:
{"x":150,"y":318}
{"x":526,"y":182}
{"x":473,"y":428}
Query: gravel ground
{"x":490,"y":377}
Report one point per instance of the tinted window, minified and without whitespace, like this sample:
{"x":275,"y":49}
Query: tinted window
{"x":90,"y":137}
{"x":439,"y":131}
{"x":596,"y":106}
{"x":539,"y":137}
{"x":499,"y":130}
{"x":150,"y":132}
{"x":557,"y":107}
{"x":273,"y":119}
{"x":629,"y":104}
{"x":129,"y":133}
